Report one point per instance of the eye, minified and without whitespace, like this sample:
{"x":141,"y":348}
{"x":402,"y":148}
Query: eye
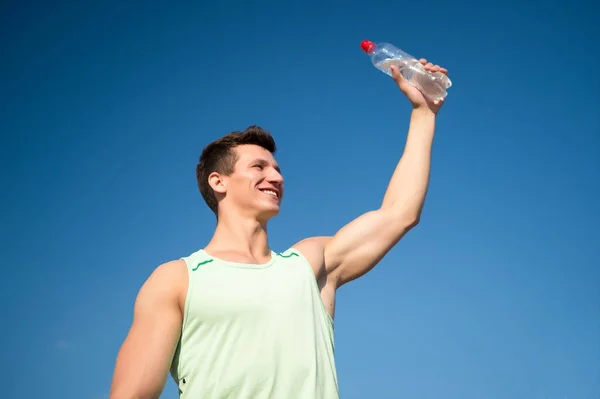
{"x":259,"y":166}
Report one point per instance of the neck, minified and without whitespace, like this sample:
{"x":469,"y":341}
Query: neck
{"x":238,"y":236}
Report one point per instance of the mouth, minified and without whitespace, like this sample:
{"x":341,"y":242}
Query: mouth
{"x":269,"y":191}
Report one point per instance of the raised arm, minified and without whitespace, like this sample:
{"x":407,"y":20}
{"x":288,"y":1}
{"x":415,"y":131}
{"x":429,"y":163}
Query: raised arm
{"x":361,"y":244}
{"x":145,"y":357}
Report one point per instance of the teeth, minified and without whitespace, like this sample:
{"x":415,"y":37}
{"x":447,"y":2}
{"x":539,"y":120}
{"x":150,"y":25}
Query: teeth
{"x":271,"y":192}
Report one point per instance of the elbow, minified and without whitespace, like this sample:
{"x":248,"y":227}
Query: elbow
{"x":405,"y":217}
{"x":412,"y":221}
{"x":409,"y":220}
{"x":402,"y":219}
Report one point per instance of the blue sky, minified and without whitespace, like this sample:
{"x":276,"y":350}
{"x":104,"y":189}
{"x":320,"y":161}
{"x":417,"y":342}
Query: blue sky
{"x":107,"y":105}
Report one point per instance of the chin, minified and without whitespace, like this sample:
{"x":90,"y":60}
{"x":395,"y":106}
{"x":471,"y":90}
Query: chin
{"x":268,"y":213}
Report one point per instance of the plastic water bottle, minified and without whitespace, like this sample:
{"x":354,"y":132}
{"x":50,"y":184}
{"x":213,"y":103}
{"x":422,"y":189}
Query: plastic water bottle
{"x":383,"y":55}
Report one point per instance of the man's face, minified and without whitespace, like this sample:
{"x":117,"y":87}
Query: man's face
{"x":256,"y":184}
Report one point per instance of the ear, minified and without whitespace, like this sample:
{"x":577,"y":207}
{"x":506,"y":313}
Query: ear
{"x":218,"y":182}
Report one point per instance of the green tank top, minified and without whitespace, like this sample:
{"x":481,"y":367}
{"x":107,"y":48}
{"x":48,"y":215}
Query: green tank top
{"x":254,"y":331}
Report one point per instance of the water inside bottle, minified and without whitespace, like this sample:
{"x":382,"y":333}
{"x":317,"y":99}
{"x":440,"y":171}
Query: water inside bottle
{"x":432,"y":85}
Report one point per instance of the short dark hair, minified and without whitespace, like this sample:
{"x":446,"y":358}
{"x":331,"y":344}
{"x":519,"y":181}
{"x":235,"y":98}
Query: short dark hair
{"x":219,"y":157}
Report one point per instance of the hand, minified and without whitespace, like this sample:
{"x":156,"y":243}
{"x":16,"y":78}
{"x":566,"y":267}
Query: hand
{"x":417,"y":99}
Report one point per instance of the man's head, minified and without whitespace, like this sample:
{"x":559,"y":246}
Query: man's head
{"x":238,"y":172}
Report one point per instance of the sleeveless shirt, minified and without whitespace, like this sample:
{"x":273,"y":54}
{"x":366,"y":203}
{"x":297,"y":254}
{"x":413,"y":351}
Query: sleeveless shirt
{"x":254,"y":331}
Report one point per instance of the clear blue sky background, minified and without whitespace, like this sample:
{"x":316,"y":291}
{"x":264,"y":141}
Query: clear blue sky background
{"x":106,"y":106}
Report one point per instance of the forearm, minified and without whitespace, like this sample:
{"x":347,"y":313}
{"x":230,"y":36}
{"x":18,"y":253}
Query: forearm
{"x":407,"y":189}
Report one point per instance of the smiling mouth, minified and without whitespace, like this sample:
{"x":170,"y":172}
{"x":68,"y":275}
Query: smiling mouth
{"x":271,"y":193}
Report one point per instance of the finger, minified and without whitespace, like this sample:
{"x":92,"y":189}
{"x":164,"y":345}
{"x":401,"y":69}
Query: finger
{"x":444,"y":71}
{"x":428,"y":66}
{"x":396,"y":73}
{"x":423,"y":61}
{"x":439,"y":102}
{"x":435,"y":68}
{"x":398,"y":78}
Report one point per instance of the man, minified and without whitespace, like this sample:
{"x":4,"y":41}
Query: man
{"x":237,"y":320}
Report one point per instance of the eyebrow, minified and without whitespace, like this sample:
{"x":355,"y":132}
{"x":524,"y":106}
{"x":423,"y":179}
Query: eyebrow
{"x":264,"y":162}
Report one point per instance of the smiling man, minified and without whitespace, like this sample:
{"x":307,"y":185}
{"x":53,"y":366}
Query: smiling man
{"x":238,"y":320}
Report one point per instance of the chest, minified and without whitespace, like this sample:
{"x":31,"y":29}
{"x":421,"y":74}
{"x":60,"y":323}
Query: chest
{"x":224,"y":294}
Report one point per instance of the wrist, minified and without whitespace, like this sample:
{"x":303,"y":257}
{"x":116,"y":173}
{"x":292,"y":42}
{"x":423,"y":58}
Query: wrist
{"x":423,"y":112}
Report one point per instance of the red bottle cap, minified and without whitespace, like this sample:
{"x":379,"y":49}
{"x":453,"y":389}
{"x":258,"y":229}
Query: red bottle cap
{"x":368,"y":46}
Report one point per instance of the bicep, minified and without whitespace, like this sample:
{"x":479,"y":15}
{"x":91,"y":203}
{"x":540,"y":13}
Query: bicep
{"x":145,"y":357}
{"x":360,"y":245}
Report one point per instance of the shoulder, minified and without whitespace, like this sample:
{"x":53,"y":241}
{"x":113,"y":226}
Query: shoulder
{"x":168,"y":274}
{"x":166,"y":284}
{"x":313,"y":249}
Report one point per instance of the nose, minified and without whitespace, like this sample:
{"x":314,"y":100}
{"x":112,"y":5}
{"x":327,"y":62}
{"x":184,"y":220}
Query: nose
{"x":275,"y":177}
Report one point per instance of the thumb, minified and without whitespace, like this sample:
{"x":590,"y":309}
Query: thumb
{"x":398,"y":78}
